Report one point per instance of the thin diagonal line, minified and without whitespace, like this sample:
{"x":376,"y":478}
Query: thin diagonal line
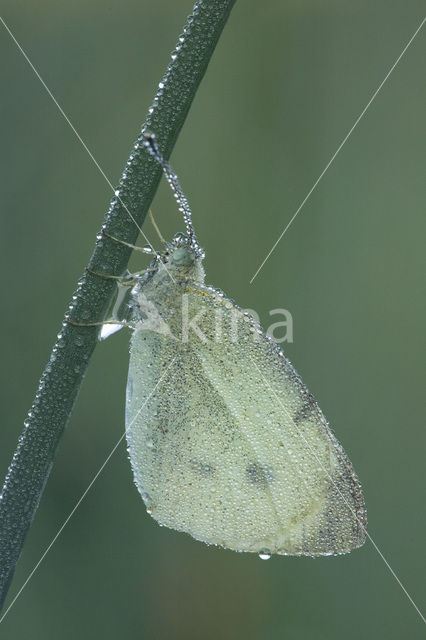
{"x":66,"y":118}
{"x":339,"y":148}
{"x":78,"y":136}
{"x":84,"y":494}
{"x":396,"y":578}
{"x":312,"y":452}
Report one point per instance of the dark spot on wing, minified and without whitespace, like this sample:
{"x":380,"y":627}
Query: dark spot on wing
{"x":306,"y":410}
{"x":328,"y":533}
{"x":162,"y":428}
{"x":202,"y":468}
{"x":259,"y":476}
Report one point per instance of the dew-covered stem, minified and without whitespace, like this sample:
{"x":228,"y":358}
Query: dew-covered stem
{"x":62,"y":377}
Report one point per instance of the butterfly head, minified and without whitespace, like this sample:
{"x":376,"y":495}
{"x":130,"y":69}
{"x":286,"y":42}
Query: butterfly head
{"x":184,"y":257}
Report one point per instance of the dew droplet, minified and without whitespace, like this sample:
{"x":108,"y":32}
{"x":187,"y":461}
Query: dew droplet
{"x":265,"y":554}
{"x":148,"y":502}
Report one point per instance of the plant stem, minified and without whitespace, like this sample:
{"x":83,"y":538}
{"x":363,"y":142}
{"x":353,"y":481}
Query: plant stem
{"x":63,"y":375}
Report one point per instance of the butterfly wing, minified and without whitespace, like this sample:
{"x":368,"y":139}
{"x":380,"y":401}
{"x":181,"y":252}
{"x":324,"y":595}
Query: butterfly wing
{"x":227,"y":444}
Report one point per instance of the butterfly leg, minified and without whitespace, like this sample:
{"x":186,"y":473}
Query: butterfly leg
{"x":116,"y":315}
{"x":127,"y":280}
{"x":148,"y":249}
{"x":100,"y":324}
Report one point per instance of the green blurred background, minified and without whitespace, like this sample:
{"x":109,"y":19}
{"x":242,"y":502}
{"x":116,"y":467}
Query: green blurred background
{"x":286,"y":83}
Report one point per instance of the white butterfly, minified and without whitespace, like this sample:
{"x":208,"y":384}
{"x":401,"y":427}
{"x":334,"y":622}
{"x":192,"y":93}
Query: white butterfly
{"x":225,"y":441}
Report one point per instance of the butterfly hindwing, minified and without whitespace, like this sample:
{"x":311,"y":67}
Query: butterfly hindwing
{"x":225,"y":441}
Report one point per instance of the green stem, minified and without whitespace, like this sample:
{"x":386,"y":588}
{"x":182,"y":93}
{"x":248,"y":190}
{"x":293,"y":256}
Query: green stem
{"x":62,"y":377}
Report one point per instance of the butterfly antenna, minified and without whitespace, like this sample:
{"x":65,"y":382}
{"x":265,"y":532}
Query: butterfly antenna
{"x":150,"y":144}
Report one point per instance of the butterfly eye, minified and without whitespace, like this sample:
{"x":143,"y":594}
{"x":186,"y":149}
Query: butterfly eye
{"x":182,"y":257}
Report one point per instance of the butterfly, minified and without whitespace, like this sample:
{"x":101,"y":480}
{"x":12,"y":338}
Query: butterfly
{"x":225,"y":441}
